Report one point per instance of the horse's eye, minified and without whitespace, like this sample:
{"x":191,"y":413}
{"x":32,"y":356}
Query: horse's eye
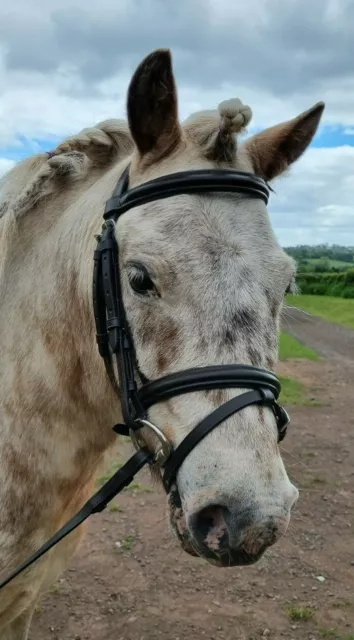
{"x":140,"y":280}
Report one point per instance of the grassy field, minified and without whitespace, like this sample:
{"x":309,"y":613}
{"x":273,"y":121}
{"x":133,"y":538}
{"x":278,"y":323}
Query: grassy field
{"x":294,"y":392}
{"x":338,"y":310}
{"x":337,"y":264}
{"x":289,"y":348}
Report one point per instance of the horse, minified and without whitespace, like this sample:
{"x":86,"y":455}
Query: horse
{"x":203,"y":282}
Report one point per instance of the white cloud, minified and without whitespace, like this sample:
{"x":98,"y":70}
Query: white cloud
{"x":5,"y":165}
{"x":315,"y":202}
{"x":66,"y":64}
{"x":36,"y":108}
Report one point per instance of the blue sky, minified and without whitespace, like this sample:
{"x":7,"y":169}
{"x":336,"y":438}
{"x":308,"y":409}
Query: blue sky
{"x":25,"y":147}
{"x":334,"y":137}
{"x":66,"y":65}
{"x":329,"y":137}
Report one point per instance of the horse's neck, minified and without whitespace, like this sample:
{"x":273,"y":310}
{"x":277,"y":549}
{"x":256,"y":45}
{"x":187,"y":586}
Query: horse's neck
{"x":56,"y":404}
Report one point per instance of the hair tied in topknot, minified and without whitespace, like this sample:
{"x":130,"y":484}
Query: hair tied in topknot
{"x":234,"y":115}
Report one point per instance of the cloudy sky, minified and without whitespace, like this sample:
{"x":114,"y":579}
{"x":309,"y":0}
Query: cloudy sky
{"x":66,"y":64}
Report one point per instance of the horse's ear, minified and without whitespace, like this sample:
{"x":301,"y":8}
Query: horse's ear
{"x":152,"y":106}
{"x":273,"y":150}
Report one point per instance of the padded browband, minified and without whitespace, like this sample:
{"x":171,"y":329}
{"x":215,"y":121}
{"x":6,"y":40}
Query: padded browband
{"x":183,"y":182}
{"x":203,"y":378}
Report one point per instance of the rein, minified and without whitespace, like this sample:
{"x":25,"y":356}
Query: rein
{"x":115,"y":344}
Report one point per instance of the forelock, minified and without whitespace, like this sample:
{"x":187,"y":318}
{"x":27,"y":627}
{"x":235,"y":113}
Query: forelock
{"x":215,"y":132}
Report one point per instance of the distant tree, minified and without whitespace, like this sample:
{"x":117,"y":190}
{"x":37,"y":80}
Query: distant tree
{"x":336,"y":252}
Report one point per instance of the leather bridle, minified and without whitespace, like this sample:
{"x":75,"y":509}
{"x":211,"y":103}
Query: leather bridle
{"x":115,"y":344}
{"x":114,"y":337}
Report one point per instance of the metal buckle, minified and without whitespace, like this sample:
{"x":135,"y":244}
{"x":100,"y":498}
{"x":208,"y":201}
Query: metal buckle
{"x":165,"y":450}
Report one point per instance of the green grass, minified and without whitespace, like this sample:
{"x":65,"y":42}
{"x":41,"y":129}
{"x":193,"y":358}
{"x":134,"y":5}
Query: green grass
{"x":289,"y":348}
{"x":114,"y":466}
{"x":294,"y":392}
{"x":337,"y":264}
{"x":314,"y":481}
{"x":128,"y":542}
{"x":114,"y":508}
{"x":295,"y":612}
{"x":342,"y":604}
{"x":136,"y":486}
{"x":332,"y":634}
{"x":337,"y":310}
{"x":55,"y":589}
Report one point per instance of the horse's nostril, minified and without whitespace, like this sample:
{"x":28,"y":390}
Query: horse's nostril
{"x":235,"y":535}
{"x":205,"y":521}
{"x":210,"y":527}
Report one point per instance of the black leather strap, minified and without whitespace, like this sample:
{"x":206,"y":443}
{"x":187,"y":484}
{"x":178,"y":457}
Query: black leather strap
{"x":99,"y":304}
{"x":183,"y":182}
{"x":206,"y":426}
{"x":204,"y":378}
{"x":112,"y":330}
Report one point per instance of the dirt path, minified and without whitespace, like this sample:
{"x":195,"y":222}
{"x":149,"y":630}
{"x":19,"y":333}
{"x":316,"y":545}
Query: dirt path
{"x":131,"y":582}
{"x":328,"y":339}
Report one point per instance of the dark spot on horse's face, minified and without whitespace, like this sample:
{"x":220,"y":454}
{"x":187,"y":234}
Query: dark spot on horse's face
{"x":241,"y":321}
{"x":271,"y":340}
{"x":274,"y":309}
{"x":254,"y":356}
{"x":160,"y":334}
{"x":273,"y":304}
{"x":245,"y":320}
{"x":217,"y":396}
{"x":229,"y":338}
{"x":246,"y":274}
{"x":147,"y":329}
{"x":174,"y":498}
{"x":214,"y":257}
{"x":261,"y":415}
{"x":212,"y":249}
{"x":167,"y":344}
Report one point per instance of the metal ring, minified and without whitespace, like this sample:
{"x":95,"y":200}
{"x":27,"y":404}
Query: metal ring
{"x":165,"y":450}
